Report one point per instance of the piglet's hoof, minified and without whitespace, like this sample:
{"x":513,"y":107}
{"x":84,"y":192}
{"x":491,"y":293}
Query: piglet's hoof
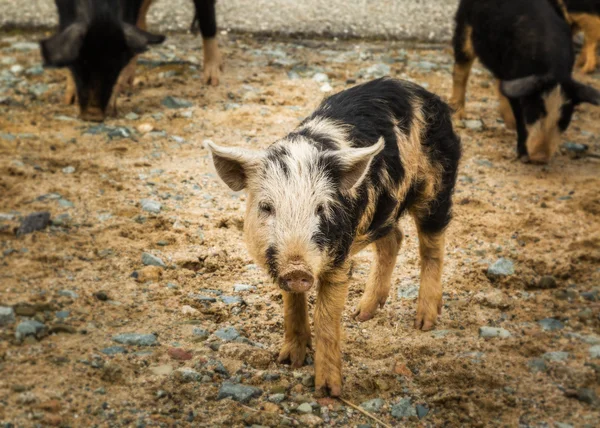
{"x":367,"y":308}
{"x":427,"y":313}
{"x":328,"y":386}
{"x":294,"y":353}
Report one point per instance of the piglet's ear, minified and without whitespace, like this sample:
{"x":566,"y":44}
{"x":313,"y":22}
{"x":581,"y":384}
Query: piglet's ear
{"x":138,"y":39}
{"x":234,"y":165}
{"x":355,"y":163}
{"x":583,"y":93}
{"x":62,"y":49}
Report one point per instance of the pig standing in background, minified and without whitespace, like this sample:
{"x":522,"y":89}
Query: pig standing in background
{"x":527,"y":45}
{"x":96,"y":45}
{"x":340,"y":182}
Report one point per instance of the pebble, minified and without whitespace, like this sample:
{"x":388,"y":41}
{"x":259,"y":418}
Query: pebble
{"x":27,"y":397}
{"x":174,"y":102}
{"x":232,"y":300}
{"x":493,"y":298}
{"x":62,"y":315}
{"x":113,"y":350}
{"x":163,"y":370}
{"x":34,"y":222}
{"x":239,"y":392}
{"x":149,"y":273}
{"x":200,"y":333}
{"x":501,"y":267}
{"x":30,"y":328}
{"x":546,"y":282}
{"x":594,"y":351}
{"x":132,"y":116}
{"x":551,"y":324}
{"x":185,"y":375}
{"x":227,"y":334}
{"x":375,"y":71}
{"x":488,"y":332}
{"x":238,"y":288}
{"x":422,"y":411}
{"x":555,"y":356}
{"x":304,"y":408}
{"x":151,"y":206}
{"x":7,"y":315}
{"x":68,"y":293}
{"x":179,"y":354}
{"x":276,"y":398}
{"x":101,"y":295}
{"x":373,"y":405}
{"x":474,"y":125}
{"x":151,"y":260}
{"x":326,"y":87}
{"x":144,"y":128}
{"x":403,"y":409}
{"x":537,"y":365}
{"x":409,"y":293}
{"x":25,"y":46}
{"x":138,"y":339}
{"x":320,"y":78}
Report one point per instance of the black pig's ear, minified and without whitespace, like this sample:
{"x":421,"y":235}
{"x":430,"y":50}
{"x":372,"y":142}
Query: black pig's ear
{"x":62,"y":49}
{"x":581,"y":93}
{"x":138,"y":40}
{"x":524,"y":86}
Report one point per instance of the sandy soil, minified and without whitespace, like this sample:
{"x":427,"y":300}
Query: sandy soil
{"x":88,"y":262}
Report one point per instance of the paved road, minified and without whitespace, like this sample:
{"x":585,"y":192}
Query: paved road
{"x":425,"y":20}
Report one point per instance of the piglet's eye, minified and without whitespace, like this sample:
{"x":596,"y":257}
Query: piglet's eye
{"x":320,"y":209}
{"x":266,"y":208}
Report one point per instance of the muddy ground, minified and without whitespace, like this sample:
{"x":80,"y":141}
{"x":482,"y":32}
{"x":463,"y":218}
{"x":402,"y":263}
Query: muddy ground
{"x":83,"y":278}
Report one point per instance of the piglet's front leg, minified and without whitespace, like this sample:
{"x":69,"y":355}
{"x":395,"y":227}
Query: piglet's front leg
{"x":297,"y":329}
{"x":331,"y":299}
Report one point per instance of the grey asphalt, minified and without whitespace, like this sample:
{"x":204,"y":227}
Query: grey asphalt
{"x":423,"y":20}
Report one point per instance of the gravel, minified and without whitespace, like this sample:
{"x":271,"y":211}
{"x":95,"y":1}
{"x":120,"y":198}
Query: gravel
{"x":151,"y":206}
{"x":30,"y":328}
{"x":33,"y":222}
{"x":403,"y":409}
{"x":595,"y":351}
{"x":501,"y":267}
{"x":227,"y":334}
{"x":151,"y":260}
{"x":238,"y":392}
{"x":555,"y":356}
{"x":373,"y":406}
{"x":138,"y":339}
{"x":389,"y":19}
{"x":551,"y":324}
{"x":489,"y":332}
{"x":7,"y":315}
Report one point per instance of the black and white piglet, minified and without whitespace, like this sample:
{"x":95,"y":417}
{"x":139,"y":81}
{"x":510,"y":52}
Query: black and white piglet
{"x":340,"y":182}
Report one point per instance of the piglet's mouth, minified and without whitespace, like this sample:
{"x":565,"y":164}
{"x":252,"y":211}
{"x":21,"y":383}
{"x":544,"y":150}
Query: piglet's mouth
{"x":296,"y":279}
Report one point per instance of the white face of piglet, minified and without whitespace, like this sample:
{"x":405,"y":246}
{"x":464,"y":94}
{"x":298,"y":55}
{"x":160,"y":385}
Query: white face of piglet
{"x":293,"y":197}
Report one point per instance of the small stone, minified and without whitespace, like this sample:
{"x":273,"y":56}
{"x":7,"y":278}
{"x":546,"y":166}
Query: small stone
{"x":238,"y":288}
{"x":101,"y":295}
{"x":326,"y":87}
{"x":422,"y":411}
{"x":489,"y":332}
{"x":27,"y":398}
{"x":403,"y":409}
{"x":409,"y":293}
{"x":320,"y":77}
{"x":62,"y":315}
{"x":500,"y":268}
{"x":592,"y":295}
{"x":113,"y":350}
{"x":551,"y":324}
{"x":373,"y":406}
{"x":200,"y":333}
{"x":375,"y":71}
{"x":132,"y":116}
{"x":555,"y":356}
{"x":151,"y":206}
{"x":304,"y":408}
{"x":136,"y":339}
{"x":68,"y":293}
{"x":149,"y":273}
{"x":585,"y":395}
{"x":585,"y":314}
{"x":239,"y":392}
{"x":7,"y":316}
{"x":179,"y":354}
{"x":227,"y":334}
{"x":546,"y":282}
{"x":232,"y":300}
{"x":474,"y":125}
{"x":151,"y":260}
{"x":308,"y":380}
{"x":185,"y":375}
{"x":537,"y":365}
{"x":594,"y":351}
{"x":492,"y":298}
{"x":276,"y":398}
{"x":174,"y":102}
{"x":144,"y":128}
{"x":34,"y":222}
{"x":68,"y":170}
{"x":163,"y":370}
{"x":30,"y":328}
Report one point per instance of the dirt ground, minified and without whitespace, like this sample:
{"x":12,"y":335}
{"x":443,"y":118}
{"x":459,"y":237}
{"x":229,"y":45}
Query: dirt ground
{"x":83,"y":276}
